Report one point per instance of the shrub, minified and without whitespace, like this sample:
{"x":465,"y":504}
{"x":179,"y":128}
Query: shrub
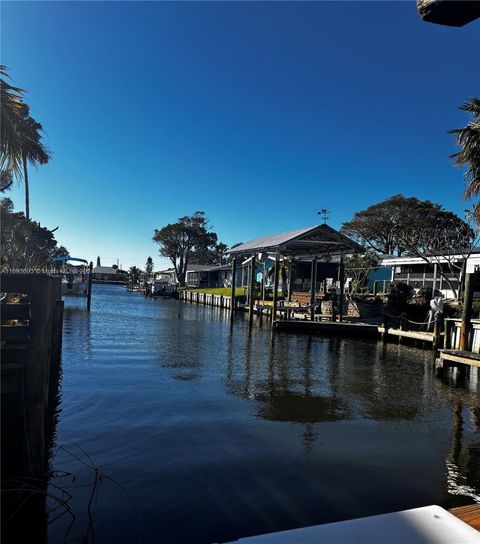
{"x":400,"y":295}
{"x":424,"y":295}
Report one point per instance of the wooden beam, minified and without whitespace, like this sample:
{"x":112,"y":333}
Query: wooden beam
{"x":449,"y":12}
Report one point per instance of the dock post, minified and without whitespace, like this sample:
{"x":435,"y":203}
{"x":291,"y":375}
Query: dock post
{"x":385,"y":327}
{"x":446,"y":334}
{"x":290,"y":266}
{"x":341,"y":278}
{"x":275,"y":287}
{"x":89,"y":294}
{"x":437,"y":327}
{"x":401,"y":325}
{"x":251,"y":300}
{"x":466,"y":311}
{"x":313,"y":279}
{"x":234,"y":278}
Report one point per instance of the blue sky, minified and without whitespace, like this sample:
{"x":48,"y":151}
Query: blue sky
{"x":260,"y":114}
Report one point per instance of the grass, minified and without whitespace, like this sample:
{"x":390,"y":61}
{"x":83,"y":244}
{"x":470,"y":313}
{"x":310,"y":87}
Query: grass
{"x":225,"y":291}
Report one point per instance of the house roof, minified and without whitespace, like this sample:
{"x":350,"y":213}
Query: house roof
{"x":105,"y":270}
{"x":392,"y":260}
{"x":310,"y":241}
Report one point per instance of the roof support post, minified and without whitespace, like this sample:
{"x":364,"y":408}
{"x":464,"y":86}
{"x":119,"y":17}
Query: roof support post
{"x":341,"y":279}
{"x":313,"y":280}
{"x":234,"y":278}
{"x":290,"y":266}
{"x":275,"y":287}
{"x":251,"y":300}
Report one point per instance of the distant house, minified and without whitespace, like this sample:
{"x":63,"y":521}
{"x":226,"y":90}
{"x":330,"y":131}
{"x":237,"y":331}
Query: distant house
{"x":167,"y":276}
{"x":107,"y":274}
{"x":198,"y":275}
{"x":416,"y":272}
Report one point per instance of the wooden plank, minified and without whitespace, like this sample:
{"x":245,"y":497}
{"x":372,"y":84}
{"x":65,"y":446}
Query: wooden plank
{"x":424,"y":336}
{"x":14,"y":354}
{"x":460,"y":353}
{"x":15,"y":311}
{"x":14,"y":334}
{"x":468,"y":514}
{"x":459,"y":359}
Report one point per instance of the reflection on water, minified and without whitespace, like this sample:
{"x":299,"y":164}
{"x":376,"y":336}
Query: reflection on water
{"x":219,"y":432}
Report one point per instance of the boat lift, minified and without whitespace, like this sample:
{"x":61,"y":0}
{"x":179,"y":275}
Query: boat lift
{"x":76,"y":282}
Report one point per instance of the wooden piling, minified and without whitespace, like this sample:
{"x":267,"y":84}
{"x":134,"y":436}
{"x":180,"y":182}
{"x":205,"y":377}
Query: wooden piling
{"x":234,"y":278}
{"x":89,"y":294}
{"x":437,"y":329}
{"x":466,"y":311}
{"x":341,"y":278}
{"x":290,"y":266}
{"x":313,"y":279}
{"x":252,"y":287}
{"x":275,"y":287}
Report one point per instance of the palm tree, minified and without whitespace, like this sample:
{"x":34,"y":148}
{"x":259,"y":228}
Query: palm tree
{"x":6,"y":180}
{"x":33,"y":151}
{"x":468,"y":138}
{"x":21,"y":138}
{"x":11,"y":99}
{"x":134,"y":274}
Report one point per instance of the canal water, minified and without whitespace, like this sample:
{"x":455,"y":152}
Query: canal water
{"x":175,"y":427}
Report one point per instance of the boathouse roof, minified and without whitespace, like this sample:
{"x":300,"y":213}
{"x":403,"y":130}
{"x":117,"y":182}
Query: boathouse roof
{"x":319,"y":240}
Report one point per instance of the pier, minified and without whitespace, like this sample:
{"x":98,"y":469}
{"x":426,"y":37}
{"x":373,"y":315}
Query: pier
{"x":32,"y":318}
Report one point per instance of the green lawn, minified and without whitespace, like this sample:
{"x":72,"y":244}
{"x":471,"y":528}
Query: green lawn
{"x":225,"y":291}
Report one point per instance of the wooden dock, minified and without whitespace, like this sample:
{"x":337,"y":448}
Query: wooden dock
{"x":449,"y":356}
{"x":468,"y":514}
{"x":414,"y":335}
{"x":327,"y":327}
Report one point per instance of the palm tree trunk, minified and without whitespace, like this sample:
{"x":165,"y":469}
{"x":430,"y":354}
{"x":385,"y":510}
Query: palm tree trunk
{"x":27,"y":195}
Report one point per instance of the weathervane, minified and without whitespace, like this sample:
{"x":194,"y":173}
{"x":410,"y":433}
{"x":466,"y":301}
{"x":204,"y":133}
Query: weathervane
{"x":324,"y":213}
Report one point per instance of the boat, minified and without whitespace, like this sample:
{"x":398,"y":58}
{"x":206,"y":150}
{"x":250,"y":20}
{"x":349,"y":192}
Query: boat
{"x":161,"y":288}
{"x":76,"y":278}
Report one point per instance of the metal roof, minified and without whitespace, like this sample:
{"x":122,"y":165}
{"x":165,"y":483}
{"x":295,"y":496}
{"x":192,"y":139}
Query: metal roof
{"x":315,"y":241}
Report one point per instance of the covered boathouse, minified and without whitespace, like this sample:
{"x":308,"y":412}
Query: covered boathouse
{"x":311,"y":247}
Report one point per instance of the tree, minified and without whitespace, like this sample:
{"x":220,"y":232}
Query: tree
{"x":188,"y":240}
{"x":11,"y":99}
{"x":149,"y":267}
{"x":419,"y":228}
{"x":220,"y":253}
{"x":25,"y":244}
{"x":380,"y":225}
{"x":358,"y":267}
{"x":134,"y":274}
{"x":441,"y":238}
{"x":33,"y":151}
{"x":468,"y":138}
{"x":21,"y":138}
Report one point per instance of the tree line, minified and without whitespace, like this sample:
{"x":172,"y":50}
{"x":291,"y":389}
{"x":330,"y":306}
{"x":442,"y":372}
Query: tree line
{"x":399,"y":225}
{"x":24,"y":242}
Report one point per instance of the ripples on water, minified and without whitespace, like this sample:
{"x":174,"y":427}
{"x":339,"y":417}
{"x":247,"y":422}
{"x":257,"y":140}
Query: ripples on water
{"x":217,"y":433}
